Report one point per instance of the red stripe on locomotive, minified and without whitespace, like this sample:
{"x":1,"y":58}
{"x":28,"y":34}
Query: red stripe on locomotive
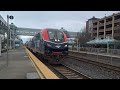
{"x":65,"y":38}
{"x":56,"y":52}
{"x":45,"y":34}
{"x":46,"y":37}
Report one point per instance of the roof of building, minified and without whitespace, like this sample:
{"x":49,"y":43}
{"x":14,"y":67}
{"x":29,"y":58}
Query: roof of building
{"x":103,"y":41}
{"x":108,"y":16}
{"x":93,"y":18}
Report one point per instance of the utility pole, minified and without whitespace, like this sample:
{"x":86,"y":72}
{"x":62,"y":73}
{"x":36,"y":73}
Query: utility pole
{"x":14,"y":39}
{"x":8,"y":17}
{"x":7,"y":36}
{"x":10,"y":40}
{"x":0,"y":45}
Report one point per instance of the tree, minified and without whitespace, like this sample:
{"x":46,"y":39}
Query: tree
{"x":83,"y":37}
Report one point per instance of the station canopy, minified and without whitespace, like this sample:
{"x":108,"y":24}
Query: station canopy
{"x":107,"y":40}
{"x":71,"y":40}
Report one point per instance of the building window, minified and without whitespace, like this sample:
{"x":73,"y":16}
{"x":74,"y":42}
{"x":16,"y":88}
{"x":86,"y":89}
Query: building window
{"x":101,"y":33}
{"x":101,"y":22}
{"x":94,"y":34}
{"x":109,"y":32}
{"x":109,"y":19}
{"x":117,"y":17}
{"x":94,"y":29}
{"x":108,"y":26}
{"x":117,"y":31}
{"x":95,"y":23}
{"x":102,"y":27}
{"x":117,"y":24}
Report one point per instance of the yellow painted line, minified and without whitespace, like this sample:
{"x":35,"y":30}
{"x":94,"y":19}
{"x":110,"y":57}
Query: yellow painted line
{"x":40,"y":75}
{"x":48,"y":74}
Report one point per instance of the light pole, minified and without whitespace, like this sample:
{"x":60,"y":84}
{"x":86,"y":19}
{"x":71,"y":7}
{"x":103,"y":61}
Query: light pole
{"x":13,"y":28}
{"x":8,"y":17}
{"x":14,"y":40}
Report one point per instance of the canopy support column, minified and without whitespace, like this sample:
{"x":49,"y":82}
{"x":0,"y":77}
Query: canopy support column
{"x":107,"y":47}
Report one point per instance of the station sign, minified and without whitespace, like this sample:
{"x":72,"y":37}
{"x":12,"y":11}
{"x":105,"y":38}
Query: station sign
{"x":11,"y":17}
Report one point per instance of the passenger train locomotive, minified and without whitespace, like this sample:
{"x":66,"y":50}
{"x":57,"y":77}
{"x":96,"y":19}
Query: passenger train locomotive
{"x":51,"y":44}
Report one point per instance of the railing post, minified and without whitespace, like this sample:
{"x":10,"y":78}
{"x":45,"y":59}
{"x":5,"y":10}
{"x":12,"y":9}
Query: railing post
{"x":97,"y":54}
{"x":0,"y":45}
{"x":111,"y":57}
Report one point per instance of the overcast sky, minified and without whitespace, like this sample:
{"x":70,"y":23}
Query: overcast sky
{"x":70,"y":20}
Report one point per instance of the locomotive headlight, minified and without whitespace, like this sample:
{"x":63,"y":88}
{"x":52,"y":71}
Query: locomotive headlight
{"x":66,"y":45}
{"x":49,"y":45}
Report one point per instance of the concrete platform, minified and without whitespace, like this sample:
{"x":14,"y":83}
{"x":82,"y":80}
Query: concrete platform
{"x":19,"y":66}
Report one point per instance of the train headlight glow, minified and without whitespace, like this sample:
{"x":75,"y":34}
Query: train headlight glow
{"x":49,"y":45}
{"x":66,"y":45}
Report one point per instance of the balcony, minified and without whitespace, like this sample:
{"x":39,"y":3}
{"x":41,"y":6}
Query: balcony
{"x":101,"y":30}
{"x":116,"y":34}
{"x":95,"y":35}
{"x":101,"y":24}
{"x":108,"y":35}
{"x":102,"y":27}
{"x":94,"y":26}
{"x":95,"y":31}
{"x":101,"y":36}
{"x":116,"y":27}
{"x":117,"y":20}
{"x":108,"y":29}
{"x":110,"y":22}
{"x":109,"y":19}
{"x":94,"y":23}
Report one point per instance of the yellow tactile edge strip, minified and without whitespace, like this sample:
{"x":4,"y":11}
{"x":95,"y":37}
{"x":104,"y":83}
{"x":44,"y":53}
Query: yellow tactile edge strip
{"x":48,"y":74}
{"x":39,"y":73}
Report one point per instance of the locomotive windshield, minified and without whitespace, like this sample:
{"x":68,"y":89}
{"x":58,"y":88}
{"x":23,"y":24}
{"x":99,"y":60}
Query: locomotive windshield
{"x":56,"y":36}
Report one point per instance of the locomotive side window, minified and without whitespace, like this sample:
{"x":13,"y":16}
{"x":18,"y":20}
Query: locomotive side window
{"x":37,"y":36}
{"x":37,"y":44}
{"x":41,"y":38}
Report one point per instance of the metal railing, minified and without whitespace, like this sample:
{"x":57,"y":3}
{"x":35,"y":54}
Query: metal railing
{"x":112,"y":56}
{"x":97,"y":50}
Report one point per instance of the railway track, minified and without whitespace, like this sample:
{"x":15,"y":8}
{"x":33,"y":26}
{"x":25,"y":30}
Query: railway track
{"x":64,"y":72}
{"x":69,"y":73}
{"x":107,"y":66}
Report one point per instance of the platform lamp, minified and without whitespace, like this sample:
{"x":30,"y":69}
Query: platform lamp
{"x":8,"y":17}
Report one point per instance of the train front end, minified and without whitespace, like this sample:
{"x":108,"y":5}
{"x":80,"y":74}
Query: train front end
{"x":56,"y":48}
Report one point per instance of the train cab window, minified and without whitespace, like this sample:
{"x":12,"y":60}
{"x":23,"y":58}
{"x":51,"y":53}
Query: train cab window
{"x":56,"y":36}
{"x":60,"y":37}
{"x":52,"y":35}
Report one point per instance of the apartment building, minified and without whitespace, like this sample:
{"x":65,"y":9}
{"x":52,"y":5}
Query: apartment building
{"x":89,"y":25}
{"x":109,"y":26}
